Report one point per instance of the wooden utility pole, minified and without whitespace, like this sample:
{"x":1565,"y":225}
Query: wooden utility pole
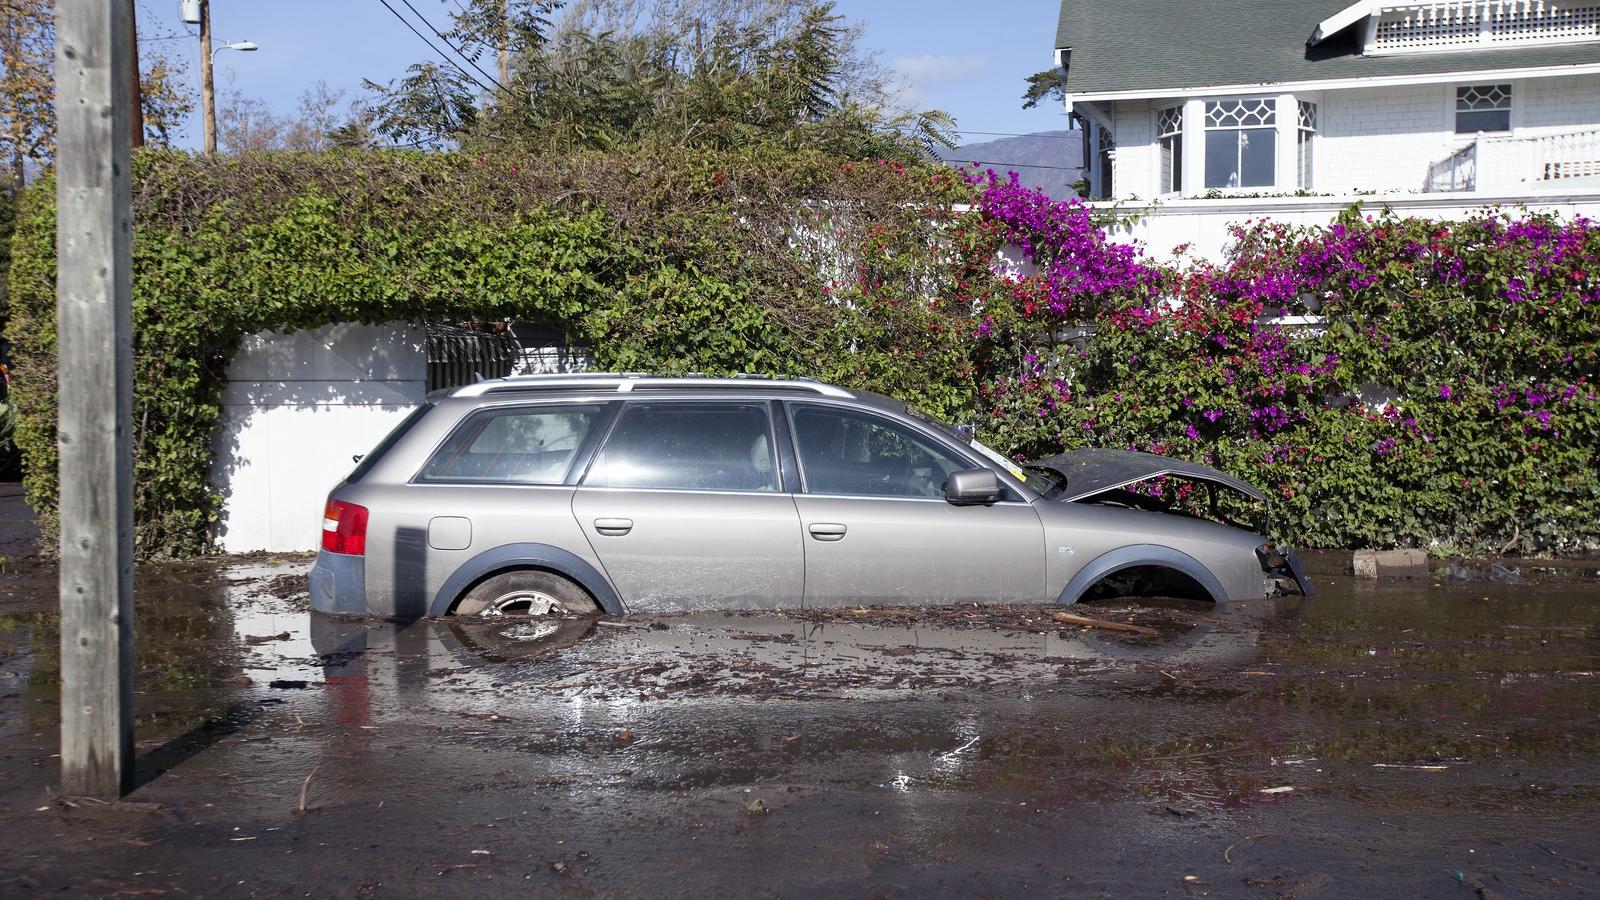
{"x":94,"y":287}
{"x":208,"y":93}
{"x":136,"y":107}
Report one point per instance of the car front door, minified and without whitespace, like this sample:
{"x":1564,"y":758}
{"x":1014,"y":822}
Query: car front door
{"x":684,"y":506}
{"x":877,"y":528}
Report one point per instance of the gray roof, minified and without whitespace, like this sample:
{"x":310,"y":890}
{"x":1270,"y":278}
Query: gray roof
{"x":1128,"y":45}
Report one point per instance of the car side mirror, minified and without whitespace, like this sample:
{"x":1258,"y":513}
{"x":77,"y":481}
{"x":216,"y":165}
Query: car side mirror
{"x":972,"y":487}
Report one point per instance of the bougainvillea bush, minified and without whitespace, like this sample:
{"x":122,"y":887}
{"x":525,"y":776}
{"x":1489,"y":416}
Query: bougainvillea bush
{"x":1388,"y":381}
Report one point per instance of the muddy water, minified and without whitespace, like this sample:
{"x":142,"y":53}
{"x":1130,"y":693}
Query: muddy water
{"x":1402,"y":739}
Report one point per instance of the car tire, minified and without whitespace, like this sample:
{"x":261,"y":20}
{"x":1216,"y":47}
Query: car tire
{"x":527,"y":592}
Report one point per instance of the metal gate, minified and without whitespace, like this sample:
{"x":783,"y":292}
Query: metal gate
{"x":458,"y":356}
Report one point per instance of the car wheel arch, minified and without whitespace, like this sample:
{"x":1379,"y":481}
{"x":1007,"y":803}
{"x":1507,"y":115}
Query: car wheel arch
{"x":1137,"y":555}
{"x":525,"y":557}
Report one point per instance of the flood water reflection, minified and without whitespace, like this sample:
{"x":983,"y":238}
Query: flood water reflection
{"x":1396,"y":697}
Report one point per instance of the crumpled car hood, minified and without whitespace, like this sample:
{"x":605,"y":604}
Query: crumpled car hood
{"x":1091,"y":471}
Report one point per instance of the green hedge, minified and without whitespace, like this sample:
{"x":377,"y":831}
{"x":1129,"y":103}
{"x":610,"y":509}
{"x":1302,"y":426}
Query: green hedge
{"x":661,"y":261}
{"x":1484,"y":331}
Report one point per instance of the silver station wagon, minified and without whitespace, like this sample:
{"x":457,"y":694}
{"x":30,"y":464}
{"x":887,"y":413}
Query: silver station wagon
{"x":624,"y":493}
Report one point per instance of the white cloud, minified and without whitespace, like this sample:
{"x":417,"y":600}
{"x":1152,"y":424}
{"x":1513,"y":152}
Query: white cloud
{"x":930,"y":68}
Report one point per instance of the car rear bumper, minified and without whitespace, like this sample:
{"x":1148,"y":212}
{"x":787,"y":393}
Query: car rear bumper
{"x":339,"y":584}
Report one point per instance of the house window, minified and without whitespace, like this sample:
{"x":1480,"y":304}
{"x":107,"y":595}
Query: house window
{"x":1169,"y":132}
{"x":1305,"y":134}
{"x":1241,"y":143}
{"x":1483,"y":107}
{"x":1105,"y":147}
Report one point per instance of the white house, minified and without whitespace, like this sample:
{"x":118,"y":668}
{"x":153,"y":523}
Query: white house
{"x":1486,"y":100}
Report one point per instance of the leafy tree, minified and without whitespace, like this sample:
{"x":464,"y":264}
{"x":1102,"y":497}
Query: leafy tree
{"x":709,"y":74}
{"x":430,"y":107}
{"x":505,"y":28}
{"x":247,"y":124}
{"x":27,"y":83}
{"x":1051,"y":84}
{"x":317,"y":118}
{"x":165,"y":95}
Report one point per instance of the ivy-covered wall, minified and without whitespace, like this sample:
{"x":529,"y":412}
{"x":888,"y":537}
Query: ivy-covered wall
{"x":668,"y":263}
{"x":1446,"y":396}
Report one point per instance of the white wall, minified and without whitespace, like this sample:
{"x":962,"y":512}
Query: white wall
{"x":296,"y":408}
{"x":1544,"y":105}
{"x":1383,"y":139}
{"x":1134,"y":169}
{"x":1375,"y":139}
{"x":1203,"y":224}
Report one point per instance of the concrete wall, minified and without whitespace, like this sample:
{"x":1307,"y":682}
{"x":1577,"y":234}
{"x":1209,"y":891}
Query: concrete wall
{"x":1203,"y":224}
{"x":296,"y":408}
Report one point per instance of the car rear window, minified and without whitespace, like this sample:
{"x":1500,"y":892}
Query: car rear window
{"x":517,"y":445}
{"x":365,"y":463}
{"x":689,"y":446}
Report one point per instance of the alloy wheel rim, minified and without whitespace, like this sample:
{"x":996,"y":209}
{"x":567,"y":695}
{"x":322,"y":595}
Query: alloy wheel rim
{"x":524,"y":602}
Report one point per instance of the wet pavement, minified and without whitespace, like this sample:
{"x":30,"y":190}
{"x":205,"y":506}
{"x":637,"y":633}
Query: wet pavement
{"x":1394,"y":739}
{"x":18,"y":534}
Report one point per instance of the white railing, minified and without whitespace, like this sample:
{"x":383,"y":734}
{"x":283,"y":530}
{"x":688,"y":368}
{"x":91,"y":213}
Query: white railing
{"x":1561,"y":157}
{"x":1436,"y":25}
{"x":1457,"y":172}
{"x":1568,"y":159}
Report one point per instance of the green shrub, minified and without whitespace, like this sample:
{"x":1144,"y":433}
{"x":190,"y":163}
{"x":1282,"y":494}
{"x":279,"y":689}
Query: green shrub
{"x":660,"y":261}
{"x":1447,"y":397}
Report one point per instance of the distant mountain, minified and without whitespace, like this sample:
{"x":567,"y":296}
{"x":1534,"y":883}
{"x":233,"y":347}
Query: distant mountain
{"x":1048,"y":160}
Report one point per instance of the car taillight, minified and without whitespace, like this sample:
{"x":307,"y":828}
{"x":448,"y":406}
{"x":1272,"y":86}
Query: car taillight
{"x":344,"y":528}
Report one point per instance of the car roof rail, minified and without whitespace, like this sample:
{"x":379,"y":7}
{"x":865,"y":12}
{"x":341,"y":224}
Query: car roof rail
{"x":638,"y":382}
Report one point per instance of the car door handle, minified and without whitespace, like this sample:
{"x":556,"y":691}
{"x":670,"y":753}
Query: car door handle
{"x":827,"y":531}
{"x":613,"y":527}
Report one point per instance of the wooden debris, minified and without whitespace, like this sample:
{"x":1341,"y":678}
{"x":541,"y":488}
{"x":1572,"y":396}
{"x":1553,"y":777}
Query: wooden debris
{"x":1064,"y":618}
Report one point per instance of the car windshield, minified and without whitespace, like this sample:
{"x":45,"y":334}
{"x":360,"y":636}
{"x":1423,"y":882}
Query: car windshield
{"x":1046,"y":482}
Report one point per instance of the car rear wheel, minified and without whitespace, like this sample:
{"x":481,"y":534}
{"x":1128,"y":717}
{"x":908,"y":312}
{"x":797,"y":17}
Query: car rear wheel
{"x":527,"y":593}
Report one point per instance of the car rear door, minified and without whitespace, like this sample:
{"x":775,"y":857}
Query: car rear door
{"x":876,"y":526}
{"x":684,"y":506}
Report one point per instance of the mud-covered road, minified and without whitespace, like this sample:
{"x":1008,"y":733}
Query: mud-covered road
{"x":1403,"y":739}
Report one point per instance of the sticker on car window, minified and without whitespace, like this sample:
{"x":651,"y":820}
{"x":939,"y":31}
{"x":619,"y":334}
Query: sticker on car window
{"x":1008,"y":465}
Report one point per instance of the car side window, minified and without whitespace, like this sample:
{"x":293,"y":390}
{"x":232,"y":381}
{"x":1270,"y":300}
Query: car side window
{"x":693,"y":446}
{"x":519,"y":445}
{"x":846,"y":452}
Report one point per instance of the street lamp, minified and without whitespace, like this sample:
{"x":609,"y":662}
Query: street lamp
{"x":208,"y":95}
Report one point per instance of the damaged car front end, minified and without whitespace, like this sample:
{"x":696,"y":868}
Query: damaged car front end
{"x":1158,"y":525}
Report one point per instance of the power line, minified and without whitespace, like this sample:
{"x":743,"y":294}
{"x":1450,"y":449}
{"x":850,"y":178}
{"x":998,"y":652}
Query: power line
{"x":424,"y":38}
{"x":458,"y":50}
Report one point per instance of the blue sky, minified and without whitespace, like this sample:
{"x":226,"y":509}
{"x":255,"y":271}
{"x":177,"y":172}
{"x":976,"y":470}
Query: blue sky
{"x":965,"y":58}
